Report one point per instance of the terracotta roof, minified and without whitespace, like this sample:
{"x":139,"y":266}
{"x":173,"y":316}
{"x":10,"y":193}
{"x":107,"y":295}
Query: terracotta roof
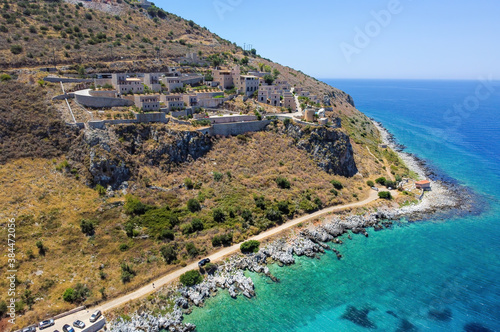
{"x":422,"y":182}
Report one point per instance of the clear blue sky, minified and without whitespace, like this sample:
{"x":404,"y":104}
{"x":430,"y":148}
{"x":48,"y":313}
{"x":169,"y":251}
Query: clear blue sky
{"x":423,"y":39}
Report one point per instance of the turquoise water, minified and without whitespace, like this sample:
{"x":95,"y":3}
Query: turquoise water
{"x":434,"y":275}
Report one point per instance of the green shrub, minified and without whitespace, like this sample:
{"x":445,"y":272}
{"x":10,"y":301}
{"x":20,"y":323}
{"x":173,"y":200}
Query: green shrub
{"x":16,"y":49}
{"x":274,"y":215}
{"x":197,"y":225}
{"x":186,"y":229}
{"x":222,"y":240}
{"x":127,"y":273}
{"x":250,"y":246}
{"x":188,"y":183}
{"x":385,"y":195}
{"x":124,"y":247}
{"x":370,"y":183}
{"x":191,"y":278}
{"x":193,"y":205}
{"x":218,"y":215}
{"x":260,"y":202}
{"x":166,"y":234}
{"x":87,"y":227}
{"x":191,"y":249}
{"x":217,"y":176}
{"x":133,"y":206}
{"x":381,"y":180}
{"x":282,"y":182}
{"x":168,"y":253}
{"x":78,"y":294}
{"x":336,"y":184}
{"x":101,"y":190}
{"x":5,"y":77}
{"x":283,"y":207}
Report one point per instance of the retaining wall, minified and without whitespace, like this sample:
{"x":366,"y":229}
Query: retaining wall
{"x":65,"y":79}
{"x":139,"y":118}
{"x":233,"y":129}
{"x":99,"y":102}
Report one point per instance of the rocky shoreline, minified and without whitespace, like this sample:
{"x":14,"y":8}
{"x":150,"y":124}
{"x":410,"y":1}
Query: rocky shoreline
{"x":311,"y":241}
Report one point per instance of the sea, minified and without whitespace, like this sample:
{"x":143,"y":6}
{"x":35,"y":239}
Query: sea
{"x":430,"y":275}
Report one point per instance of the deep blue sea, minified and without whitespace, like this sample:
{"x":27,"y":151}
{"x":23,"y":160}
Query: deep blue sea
{"x":434,"y":275}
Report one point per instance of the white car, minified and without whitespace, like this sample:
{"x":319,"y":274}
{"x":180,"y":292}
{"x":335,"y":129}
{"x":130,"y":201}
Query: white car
{"x":79,"y":324}
{"x":46,"y":323}
{"x":95,"y":316}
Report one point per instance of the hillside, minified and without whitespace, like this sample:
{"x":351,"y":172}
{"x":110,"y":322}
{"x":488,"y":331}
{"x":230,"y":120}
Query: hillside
{"x":103,"y":211}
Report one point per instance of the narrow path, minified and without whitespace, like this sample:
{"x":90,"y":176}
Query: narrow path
{"x":216,"y":256}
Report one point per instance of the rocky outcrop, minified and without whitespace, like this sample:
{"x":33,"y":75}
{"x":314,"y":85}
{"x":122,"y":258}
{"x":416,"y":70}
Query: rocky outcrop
{"x":111,"y":156}
{"x":330,"y":148}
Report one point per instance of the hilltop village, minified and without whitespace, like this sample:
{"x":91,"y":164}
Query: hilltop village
{"x":190,"y":97}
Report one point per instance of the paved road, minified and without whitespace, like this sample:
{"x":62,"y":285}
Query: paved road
{"x":145,"y":290}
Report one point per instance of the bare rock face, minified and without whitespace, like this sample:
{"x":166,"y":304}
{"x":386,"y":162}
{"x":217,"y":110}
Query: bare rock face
{"x":329,"y":147}
{"x":110,"y":156}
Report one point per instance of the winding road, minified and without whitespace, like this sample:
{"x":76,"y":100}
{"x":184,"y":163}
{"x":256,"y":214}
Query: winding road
{"x":216,"y":256}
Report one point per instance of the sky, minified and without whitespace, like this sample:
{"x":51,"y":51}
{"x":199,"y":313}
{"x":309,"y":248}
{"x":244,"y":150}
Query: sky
{"x":388,"y":39}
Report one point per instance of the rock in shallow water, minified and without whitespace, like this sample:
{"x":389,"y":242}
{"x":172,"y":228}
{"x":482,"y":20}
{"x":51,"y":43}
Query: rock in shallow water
{"x":359,"y":317}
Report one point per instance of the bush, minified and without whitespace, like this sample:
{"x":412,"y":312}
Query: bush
{"x":78,"y":294}
{"x":188,"y":183}
{"x":283,"y":207}
{"x":5,"y":77}
{"x":250,"y":246}
{"x":186,"y":229}
{"x":390,"y":184}
{"x":381,"y":181}
{"x":41,"y":248}
{"x":3,"y":309}
{"x":197,"y":225}
{"x":87,"y":227}
{"x":336,"y":184}
{"x":370,"y":183}
{"x":218,"y":215}
{"x":127,"y":273}
{"x":193,"y":205}
{"x":385,"y":195}
{"x":260,"y":202}
{"x":222,"y":240}
{"x":166,"y":234}
{"x":274,"y":215}
{"x":133,"y":206}
{"x":282,"y":182}
{"x":191,"y":249}
{"x":124,"y":247}
{"x":191,"y":278}
{"x":168,"y":253}
{"x":16,"y":49}
{"x":217,"y":176}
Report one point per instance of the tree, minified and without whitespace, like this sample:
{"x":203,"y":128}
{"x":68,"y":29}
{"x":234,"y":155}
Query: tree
{"x":282,"y":182}
{"x":191,"y":278}
{"x":370,"y":183}
{"x":337,"y":185}
{"x":222,"y":240}
{"x":41,"y":248}
{"x":218,"y":215}
{"x":385,"y":195}
{"x":77,"y":294}
{"x":250,"y":246}
{"x":261,"y":66}
{"x":381,"y":180}
{"x":268,"y":79}
{"x":244,"y":61}
{"x":168,"y":253}
{"x":87,"y":227}
{"x":276,"y":73}
{"x":193,"y":205}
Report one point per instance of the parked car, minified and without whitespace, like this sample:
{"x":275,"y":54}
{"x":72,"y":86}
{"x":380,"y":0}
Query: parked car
{"x":68,"y":328}
{"x":29,"y":329}
{"x":46,"y":323}
{"x":95,"y":316}
{"x":375,"y":188}
{"x":204,"y":261}
{"x":79,"y":324}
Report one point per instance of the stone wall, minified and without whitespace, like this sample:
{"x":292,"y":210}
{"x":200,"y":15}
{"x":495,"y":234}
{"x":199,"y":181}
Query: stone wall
{"x":233,"y":129}
{"x":139,"y":118}
{"x":65,"y":79}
